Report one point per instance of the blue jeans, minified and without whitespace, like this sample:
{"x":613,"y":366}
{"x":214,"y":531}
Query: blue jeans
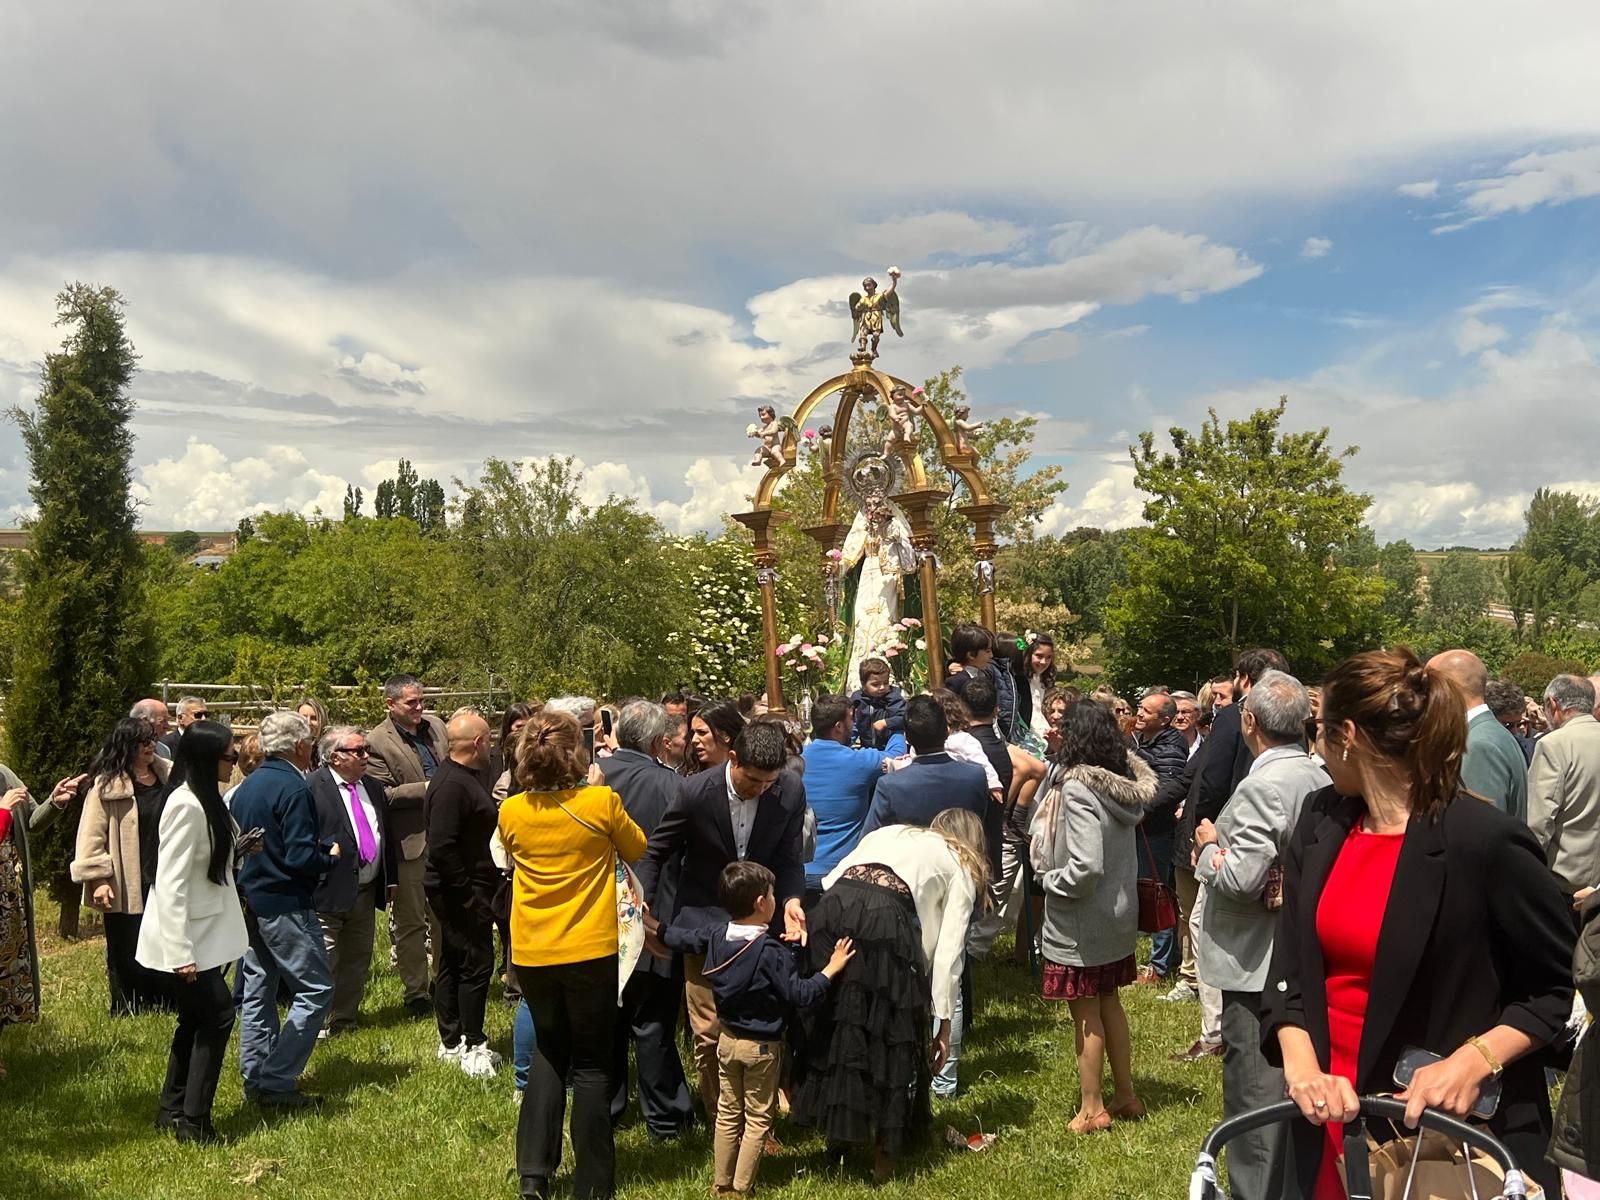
{"x":287,"y":948}
{"x":944,"y":1083}
{"x":1164,"y":946}
{"x":522,"y":1043}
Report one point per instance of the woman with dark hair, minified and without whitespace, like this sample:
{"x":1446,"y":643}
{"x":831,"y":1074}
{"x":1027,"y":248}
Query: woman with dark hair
{"x":712,"y":732}
{"x":1083,"y":850}
{"x":1035,"y":673}
{"x":115,"y":856}
{"x":512,"y":722}
{"x":1474,"y":965}
{"x":193,"y":925}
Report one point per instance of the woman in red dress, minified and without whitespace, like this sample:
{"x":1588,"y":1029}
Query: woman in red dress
{"x":1415,"y":916}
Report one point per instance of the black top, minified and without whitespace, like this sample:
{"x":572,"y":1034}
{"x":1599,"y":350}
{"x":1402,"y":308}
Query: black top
{"x":1168,"y":755}
{"x":1476,"y":934}
{"x":999,"y":757}
{"x":754,"y":983}
{"x":147,"y":801}
{"x":1220,"y":764}
{"x":461,"y":818}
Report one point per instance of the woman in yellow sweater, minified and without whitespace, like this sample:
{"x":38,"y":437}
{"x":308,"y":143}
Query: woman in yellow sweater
{"x":560,"y":837}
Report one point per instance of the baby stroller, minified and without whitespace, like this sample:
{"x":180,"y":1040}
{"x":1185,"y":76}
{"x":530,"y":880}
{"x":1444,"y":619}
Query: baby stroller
{"x":1203,"y":1183}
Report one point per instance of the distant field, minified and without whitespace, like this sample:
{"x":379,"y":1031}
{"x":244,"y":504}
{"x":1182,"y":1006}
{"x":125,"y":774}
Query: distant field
{"x":1429,"y":559}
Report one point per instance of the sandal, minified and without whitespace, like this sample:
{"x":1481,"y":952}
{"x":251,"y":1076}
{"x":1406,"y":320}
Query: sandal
{"x":1133,"y":1110}
{"x":1095,"y":1124}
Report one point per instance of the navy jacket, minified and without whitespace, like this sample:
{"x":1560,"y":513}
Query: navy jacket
{"x":889,"y":707}
{"x":1168,"y":755}
{"x":916,"y":794}
{"x":283,"y":877}
{"x":647,"y":789}
{"x":754,"y":983}
{"x":1005,"y":694}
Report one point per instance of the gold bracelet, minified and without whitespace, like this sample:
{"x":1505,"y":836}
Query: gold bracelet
{"x":1482,"y":1047}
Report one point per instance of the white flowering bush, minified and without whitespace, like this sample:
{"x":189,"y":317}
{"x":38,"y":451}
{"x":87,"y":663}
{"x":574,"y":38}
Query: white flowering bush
{"x":906,"y":651}
{"x":722,"y":650}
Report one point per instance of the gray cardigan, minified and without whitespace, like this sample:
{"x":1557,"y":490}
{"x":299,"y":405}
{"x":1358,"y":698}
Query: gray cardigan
{"x":1091,"y":900}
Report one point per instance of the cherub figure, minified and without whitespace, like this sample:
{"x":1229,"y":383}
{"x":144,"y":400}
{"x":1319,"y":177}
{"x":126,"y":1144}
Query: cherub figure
{"x":868,"y":308}
{"x":905,"y":406}
{"x":965,"y":428}
{"x":770,"y":431}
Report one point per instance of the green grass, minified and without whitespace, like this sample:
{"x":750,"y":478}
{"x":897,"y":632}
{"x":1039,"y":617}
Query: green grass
{"x":78,"y":1105}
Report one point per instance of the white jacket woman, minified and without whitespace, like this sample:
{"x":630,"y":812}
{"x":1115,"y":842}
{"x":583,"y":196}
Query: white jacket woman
{"x":188,"y":920}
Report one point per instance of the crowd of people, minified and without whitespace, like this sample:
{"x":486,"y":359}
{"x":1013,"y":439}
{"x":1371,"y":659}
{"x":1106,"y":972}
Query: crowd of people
{"x":1395,"y":863}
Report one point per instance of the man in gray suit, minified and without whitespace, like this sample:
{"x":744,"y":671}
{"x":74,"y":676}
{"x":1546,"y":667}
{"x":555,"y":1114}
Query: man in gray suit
{"x":1232,"y":859}
{"x":1493,"y":767}
{"x":1564,"y":784}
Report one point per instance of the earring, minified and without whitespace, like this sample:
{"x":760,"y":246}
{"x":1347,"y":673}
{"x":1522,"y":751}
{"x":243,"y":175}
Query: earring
{"x":1345,"y":756}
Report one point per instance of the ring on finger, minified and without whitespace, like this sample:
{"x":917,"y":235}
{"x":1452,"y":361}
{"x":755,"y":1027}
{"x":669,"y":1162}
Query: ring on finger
{"x":1319,"y":1104}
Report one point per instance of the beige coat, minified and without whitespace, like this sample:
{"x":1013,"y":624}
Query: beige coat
{"x":108,"y":842}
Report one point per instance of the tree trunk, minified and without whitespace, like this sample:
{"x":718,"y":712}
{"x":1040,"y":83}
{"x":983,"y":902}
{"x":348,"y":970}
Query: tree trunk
{"x":70,"y":912}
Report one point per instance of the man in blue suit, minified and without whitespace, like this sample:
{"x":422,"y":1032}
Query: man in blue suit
{"x":839,"y":786}
{"x":933,"y":781}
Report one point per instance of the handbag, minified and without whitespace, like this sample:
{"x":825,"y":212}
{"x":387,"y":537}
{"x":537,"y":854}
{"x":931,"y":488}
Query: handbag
{"x":630,"y":910}
{"x":1272,"y":888}
{"x":1158,"y":908}
{"x":1430,"y":1166}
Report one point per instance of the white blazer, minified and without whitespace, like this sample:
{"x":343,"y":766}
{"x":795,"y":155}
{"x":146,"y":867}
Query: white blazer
{"x":187,"y":918}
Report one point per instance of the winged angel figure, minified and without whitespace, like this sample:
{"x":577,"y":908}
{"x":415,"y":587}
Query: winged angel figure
{"x":869,"y":307}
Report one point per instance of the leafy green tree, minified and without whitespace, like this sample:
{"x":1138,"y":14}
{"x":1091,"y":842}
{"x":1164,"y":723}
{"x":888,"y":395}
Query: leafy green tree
{"x":1077,"y":572}
{"x":430,"y":506}
{"x":1532,"y":671}
{"x":352,"y":501}
{"x":1398,"y":566}
{"x":383,"y":502}
{"x":1245,"y":523}
{"x":184,"y":544}
{"x":1461,"y":586}
{"x":245,"y":531}
{"x":85,"y":651}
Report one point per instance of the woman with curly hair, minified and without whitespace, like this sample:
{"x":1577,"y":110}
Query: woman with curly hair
{"x":1083,"y":851}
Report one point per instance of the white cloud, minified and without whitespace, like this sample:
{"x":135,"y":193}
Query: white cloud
{"x":1425,"y":190}
{"x":717,"y":488}
{"x":203,"y":489}
{"x":1473,"y":335}
{"x":913,"y":238}
{"x":1054,"y":346}
{"x":1536,"y":179}
{"x":1315,"y":247}
{"x":1110,"y":501}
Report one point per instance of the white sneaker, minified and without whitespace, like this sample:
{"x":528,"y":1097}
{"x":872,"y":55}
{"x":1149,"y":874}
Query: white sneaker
{"x":451,"y":1053}
{"x":516,"y":1096}
{"x":480,"y":1062}
{"x":1181,"y":993}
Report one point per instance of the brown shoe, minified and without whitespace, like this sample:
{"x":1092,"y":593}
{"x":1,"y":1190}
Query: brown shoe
{"x":1199,"y":1052}
{"x":771,"y":1146}
{"x":1149,"y":975}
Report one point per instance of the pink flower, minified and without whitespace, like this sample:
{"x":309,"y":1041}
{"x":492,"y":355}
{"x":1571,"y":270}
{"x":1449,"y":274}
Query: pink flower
{"x":822,"y":639}
{"x":836,"y":555}
{"x":913,"y":622}
{"x":809,"y":434}
{"x":806,"y":649}
{"x":890,"y":652}
{"x":800,"y":667}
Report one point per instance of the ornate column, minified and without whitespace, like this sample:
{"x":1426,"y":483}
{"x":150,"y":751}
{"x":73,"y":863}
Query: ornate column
{"x":983,"y":517}
{"x":760,"y":523}
{"x":828,"y":537}
{"x":919,"y":508}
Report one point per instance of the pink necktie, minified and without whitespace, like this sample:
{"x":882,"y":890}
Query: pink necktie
{"x":366,"y":843}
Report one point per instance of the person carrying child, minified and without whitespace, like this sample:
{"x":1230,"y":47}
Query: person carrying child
{"x":754,"y":982}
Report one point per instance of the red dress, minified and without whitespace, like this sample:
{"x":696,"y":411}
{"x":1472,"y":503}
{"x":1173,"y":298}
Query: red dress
{"x":1349,"y":917}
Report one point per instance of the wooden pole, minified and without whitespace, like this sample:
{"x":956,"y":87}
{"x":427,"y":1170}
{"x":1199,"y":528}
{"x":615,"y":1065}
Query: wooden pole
{"x":760,"y":523}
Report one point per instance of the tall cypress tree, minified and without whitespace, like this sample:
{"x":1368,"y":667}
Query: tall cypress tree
{"x":85,"y":647}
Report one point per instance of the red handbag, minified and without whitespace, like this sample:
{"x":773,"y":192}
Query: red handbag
{"x":1158,"y":908}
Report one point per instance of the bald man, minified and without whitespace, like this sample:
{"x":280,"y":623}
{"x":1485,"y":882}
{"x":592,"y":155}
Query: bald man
{"x":1494,"y":767}
{"x":462,"y":885}
{"x":156,"y":712}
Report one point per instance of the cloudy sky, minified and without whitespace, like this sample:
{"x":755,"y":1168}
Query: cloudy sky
{"x":447,"y":229}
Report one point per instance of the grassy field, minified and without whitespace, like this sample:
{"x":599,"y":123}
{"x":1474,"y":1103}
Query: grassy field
{"x":79,"y":1101}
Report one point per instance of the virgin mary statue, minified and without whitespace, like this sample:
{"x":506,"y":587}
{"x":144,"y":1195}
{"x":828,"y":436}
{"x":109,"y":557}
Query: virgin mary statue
{"x":880,"y":540}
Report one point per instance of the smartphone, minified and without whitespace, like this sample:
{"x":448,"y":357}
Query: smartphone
{"x":605,"y":721}
{"x":1413,"y":1059}
{"x":250,"y":842}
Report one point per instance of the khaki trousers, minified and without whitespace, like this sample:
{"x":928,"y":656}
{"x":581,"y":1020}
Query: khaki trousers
{"x":704,"y":1027}
{"x":749,"y":1098}
{"x":347,"y":937}
{"x":413,"y":927}
{"x":1188,"y":890}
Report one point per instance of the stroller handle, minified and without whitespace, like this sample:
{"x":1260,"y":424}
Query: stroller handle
{"x":1381,"y":1107}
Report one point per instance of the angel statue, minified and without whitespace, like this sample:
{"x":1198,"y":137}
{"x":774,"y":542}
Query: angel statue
{"x":868,"y":308}
{"x":880,"y":540}
{"x":770,"y":428}
{"x":965,"y":428}
{"x":904,"y":407}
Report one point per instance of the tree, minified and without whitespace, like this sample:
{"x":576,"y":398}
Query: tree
{"x":430,"y":506}
{"x":352,"y":501}
{"x":245,"y":531}
{"x":1245,"y":526}
{"x":1532,"y":671}
{"x":185,"y":544}
{"x":1461,"y":586}
{"x":1398,"y":566}
{"x":1078,"y":572}
{"x":383,"y":503}
{"x":405,"y":490}
{"x":85,"y":651}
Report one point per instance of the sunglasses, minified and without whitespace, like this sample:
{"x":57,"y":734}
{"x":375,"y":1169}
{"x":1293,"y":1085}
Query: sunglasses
{"x":232,"y":756}
{"x":358,"y":751}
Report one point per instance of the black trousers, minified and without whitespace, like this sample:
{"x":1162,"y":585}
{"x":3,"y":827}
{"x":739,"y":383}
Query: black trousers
{"x":199,"y":1045}
{"x":134,"y":988}
{"x":574,"y":1008}
{"x":649,"y":1018}
{"x":463,"y":969}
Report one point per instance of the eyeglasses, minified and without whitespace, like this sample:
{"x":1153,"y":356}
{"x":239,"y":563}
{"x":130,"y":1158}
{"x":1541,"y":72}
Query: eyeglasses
{"x":232,"y":756}
{"x":358,"y":751}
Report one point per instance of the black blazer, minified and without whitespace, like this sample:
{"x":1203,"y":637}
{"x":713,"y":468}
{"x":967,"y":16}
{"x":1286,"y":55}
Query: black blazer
{"x":648,"y":789}
{"x":697,"y":830}
{"x":1476,"y":934}
{"x":1219,"y":766}
{"x":337,"y":891}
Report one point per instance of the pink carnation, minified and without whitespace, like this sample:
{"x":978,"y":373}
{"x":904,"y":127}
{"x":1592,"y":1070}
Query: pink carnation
{"x":836,"y":555}
{"x":800,"y":667}
{"x":809,"y":434}
{"x":890,"y":652}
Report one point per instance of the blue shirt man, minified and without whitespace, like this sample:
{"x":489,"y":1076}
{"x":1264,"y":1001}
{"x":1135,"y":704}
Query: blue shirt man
{"x":839,"y":785}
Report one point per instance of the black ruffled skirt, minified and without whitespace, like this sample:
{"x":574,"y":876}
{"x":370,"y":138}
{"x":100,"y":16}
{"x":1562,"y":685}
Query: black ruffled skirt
{"x":861,"y":1057}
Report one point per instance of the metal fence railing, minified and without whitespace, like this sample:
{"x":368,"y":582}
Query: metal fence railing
{"x":242,"y":705}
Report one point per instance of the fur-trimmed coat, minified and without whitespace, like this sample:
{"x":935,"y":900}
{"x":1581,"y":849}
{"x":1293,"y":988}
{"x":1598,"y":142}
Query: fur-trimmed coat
{"x":108,"y":842}
{"x":1091,"y":895}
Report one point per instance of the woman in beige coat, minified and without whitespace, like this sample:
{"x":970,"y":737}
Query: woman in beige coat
{"x":115,"y":859}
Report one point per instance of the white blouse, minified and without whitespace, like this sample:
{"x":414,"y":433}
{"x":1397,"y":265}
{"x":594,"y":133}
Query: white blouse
{"x":942,"y":891}
{"x":962,"y":747}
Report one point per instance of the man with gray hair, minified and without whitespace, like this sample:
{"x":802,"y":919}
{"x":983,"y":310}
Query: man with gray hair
{"x":279,"y":886}
{"x":655,"y":993}
{"x":405,"y":749}
{"x":1233,"y":860}
{"x":1493,"y":766}
{"x":581,"y":709}
{"x":1564,"y":784}
{"x":190,"y":710}
{"x":155,"y":711}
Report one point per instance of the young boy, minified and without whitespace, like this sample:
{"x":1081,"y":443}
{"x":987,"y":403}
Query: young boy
{"x":880,"y":706}
{"x":753,"y":980}
{"x":972,"y":653}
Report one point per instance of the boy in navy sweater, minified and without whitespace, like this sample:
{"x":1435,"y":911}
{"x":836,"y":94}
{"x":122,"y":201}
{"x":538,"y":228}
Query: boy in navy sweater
{"x":754,"y":982}
{"x":880,"y":706}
